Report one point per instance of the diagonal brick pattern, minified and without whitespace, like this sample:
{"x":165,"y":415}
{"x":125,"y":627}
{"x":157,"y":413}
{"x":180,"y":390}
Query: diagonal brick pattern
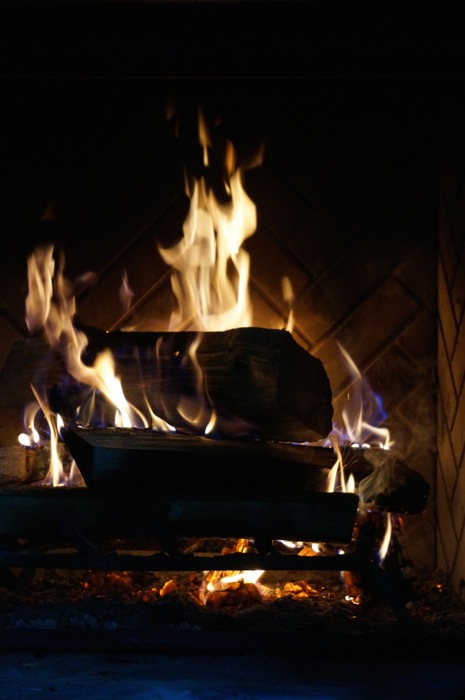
{"x":451,"y":347}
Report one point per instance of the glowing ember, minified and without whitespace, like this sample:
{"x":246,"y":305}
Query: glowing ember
{"x":227,"y":582}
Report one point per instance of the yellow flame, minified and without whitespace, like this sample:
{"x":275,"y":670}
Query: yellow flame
{"x":41,"y":268}
{"x":338,"y":469}
{"x":251,"y":576}
{"x":210,"y":281}
{"x":126,"y":295}
{"x":350,"y":486}
{"x":210,"y":269}
{"x":55,"y":475}
{"x":198,"y":411}
{"x":288,"y":296}
{"x":384,"y":548}
{"x":204,"y":136}
{"x":50,"y":305}
{"x":32,"y":437}
{"x":218,"y":580}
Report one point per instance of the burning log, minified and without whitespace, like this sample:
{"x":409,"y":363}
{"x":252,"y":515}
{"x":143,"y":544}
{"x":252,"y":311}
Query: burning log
{"x":249,"y":383}
{"x":259,"y":382}
{"x":116,"y":459}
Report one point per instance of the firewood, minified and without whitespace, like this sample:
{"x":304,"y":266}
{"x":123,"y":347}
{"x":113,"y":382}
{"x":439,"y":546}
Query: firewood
{"x":120,"y":459}
{"x":117,"y":459}
{"x":259,"y":383}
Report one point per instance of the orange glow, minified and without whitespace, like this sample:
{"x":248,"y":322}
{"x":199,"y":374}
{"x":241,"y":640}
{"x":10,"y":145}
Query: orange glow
{"x":226,"y":580}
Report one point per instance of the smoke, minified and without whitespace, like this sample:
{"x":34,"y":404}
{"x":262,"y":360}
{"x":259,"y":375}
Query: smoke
{"x":385,"y":477}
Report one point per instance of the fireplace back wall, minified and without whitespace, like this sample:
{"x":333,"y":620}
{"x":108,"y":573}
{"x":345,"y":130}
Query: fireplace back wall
{"x":346,"y":201}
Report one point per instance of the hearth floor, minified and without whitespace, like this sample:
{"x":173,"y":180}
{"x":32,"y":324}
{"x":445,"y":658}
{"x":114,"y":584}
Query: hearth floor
{"x":171,"y":676}
{"x":56,"y":644}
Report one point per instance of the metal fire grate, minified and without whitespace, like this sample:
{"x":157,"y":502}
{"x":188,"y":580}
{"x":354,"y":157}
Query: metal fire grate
{"x":82,"y":529}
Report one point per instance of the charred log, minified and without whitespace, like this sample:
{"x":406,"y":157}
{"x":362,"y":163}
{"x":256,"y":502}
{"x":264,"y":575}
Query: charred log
{"x":256,"y":383}
{"x":259,"y":382}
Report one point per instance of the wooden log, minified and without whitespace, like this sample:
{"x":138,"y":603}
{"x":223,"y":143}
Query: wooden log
{"x":137,"y":460}
{"x":45,"y":512}
{"x":131,"y":460}
{"x":260,"y":382}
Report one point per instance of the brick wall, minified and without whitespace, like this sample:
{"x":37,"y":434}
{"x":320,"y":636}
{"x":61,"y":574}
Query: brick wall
{"x":451,"y":343}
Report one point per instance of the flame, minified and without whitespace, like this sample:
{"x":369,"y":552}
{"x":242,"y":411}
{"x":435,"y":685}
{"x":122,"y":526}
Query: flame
{"x":221,"y":580}
{"x":126,"y":295}
{"x":384,"y":548}
{"x":338,"y":470}
{"x":362,"y":414}
{"x":198,"y":411}
{"x":288,"y":296}
{"x":41,"y":268}
{"x":32,"y":437}
{"x":210,"y":269}
{"x":56,"y":475}
{"x":50,"y":306}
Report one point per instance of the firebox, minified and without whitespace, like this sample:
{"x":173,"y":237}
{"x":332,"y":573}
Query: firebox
{"x":344,"y":177}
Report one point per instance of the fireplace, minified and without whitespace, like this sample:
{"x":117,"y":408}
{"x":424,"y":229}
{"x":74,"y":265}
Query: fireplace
{"x":346,"y":199}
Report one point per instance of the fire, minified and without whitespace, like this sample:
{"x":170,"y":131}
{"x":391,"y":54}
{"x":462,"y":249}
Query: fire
{"x":210,"y":282}
{"x":362,"y":414}
{"x":32,"y":436}
{"x":221,"y":587}
{"x":51,"y":307}
{"x":210,"y":274}
{"x":198,"y":411}
{"x":210,"y":268}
